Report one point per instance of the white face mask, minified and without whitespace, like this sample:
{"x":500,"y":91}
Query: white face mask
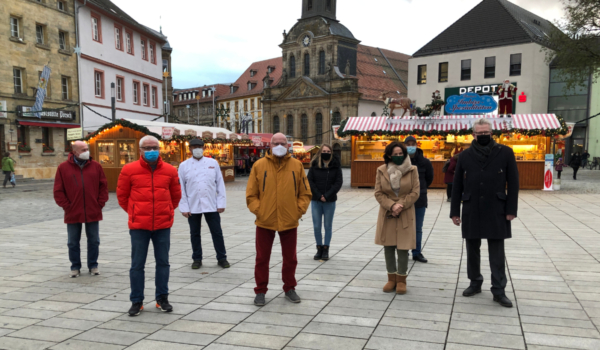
{"x":280,"y":151}
{"x":84,"y":155}
{"x":198,"y":152}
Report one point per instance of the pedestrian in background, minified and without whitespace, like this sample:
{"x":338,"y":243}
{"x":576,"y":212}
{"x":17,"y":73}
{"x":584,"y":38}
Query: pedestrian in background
{"x":325,"y":178}
{"x":584,"y":158}
{"x":149,"y":191}
{"x":575,"y":163}
{"x":559,"y":167}
{"x":203,"y":192}
{"x":425,"y":171}
{"x":397,"y":189}
{"x":449,"y":176}
{"x":8,"y":169}
{"x":486,"y":182}
{"x":81,"y":189}
{"x":278,"y":194}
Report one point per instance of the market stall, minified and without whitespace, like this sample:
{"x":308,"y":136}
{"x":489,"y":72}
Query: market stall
{"x":529,"y":135}
{"x":116,"y":144}
{"x":304,"y":153}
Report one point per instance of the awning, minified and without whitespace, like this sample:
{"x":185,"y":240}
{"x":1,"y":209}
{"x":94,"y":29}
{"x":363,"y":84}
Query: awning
{"x":304,"y":149}
{"x":449,"y":123}
{"x":48,"y":124}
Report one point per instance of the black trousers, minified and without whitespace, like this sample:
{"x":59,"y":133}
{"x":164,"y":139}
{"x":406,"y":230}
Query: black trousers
{"x":449,"y":190}
{"x":497,"y":259}
{"x":575,"y":169}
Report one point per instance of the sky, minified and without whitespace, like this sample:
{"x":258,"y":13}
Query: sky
{"x":215,"y":41}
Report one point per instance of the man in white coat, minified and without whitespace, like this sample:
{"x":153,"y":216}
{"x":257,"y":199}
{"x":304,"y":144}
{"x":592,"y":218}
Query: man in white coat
{"x":203,"y":192}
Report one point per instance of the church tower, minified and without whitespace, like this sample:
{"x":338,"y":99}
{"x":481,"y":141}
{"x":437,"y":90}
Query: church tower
{"x":324,"y":8}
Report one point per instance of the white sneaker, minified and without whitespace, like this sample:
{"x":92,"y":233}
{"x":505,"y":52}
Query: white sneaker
{"x":74,"y":273}
{"x":94,"y":271}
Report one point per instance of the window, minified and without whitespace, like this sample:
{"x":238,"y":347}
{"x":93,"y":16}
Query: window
{"x":252,"y":104}
{"x":252,"y":73}
{"x":275,"y":124}
{"x":154,"y":97}
{"x":145,"y":93}
{"x":118,"y":38}
{"x":304,"y":128}
{"x":336,"y":119}
{"x":309,"y":6}
{"x":67,"y":143}
{"x":306,"y":64}
{"x":128,"y":46}
{"x":152,"y":53}
{"x":39,"y":34}
{"x":120,"y":85}
{"x":292,"y":67}
{"x":422,"y":74}
{"x":65,"y":82}
{"x":62,"y":40}
{"x":321,"y":62}
{"x":490,"y":67}
{"x":47,"y":137}
{"x":328,"y":5}
{"x":23,"y":135}
{"x":165,"y":65}
{"x":60,"y":5}
{"x":237,"y":106}
{"x":96,"y":27}
{"x":465,"y":70}
{"x":18,"y":80}
{"x":14,"y":27}
{"x":136,"y":92}
{"x":249,"y":86}
{"x":319,"y":129}
{"x":144,"y":50}
{"x":373,"y":114}
{"x":443,"y":72}
{"x":515,"y":64}
{"x":99,"y":84}
{"x":290,"y":125}
{"x":246,"y":105}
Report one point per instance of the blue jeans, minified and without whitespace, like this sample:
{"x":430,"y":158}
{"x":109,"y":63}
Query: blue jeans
{"x":214,"y":224}
{"x":419,"y":217}
{"x":92,"y":231}
{"x":320,"y":210}
{"x":140,"y":241}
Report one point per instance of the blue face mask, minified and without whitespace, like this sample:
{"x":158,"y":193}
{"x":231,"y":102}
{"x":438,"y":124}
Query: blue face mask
{"x":411,"y":149}
{"x":151,"y":156}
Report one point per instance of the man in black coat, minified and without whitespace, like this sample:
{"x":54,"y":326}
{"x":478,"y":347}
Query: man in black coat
{"x":486,"y":179}
{"x":425,"y":179}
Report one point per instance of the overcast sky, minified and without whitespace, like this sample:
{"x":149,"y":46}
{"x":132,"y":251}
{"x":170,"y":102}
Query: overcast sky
{"x":215,"y":41}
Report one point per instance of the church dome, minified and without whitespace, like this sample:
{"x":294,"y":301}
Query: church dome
{"x":336,"y":28}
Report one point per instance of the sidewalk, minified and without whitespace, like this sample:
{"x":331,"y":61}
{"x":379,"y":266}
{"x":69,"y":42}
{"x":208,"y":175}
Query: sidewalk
{"x":552,"y":265}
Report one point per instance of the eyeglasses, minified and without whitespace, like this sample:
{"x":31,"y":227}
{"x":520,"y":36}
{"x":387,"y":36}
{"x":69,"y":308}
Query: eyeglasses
{"x":150,"y":148}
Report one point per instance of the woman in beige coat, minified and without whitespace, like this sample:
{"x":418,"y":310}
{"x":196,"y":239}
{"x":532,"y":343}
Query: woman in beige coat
{"x":396,"y":190}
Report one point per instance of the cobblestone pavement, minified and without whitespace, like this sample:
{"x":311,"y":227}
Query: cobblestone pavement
{"x":552,"y":263}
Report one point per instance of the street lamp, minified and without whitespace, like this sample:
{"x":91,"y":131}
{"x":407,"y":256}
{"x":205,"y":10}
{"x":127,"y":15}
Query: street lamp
{"x":188,"y":110}
{"x":213,"y":110}
{"x":112,"y":101}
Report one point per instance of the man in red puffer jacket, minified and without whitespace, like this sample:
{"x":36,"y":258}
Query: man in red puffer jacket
{"x":148,"y":190}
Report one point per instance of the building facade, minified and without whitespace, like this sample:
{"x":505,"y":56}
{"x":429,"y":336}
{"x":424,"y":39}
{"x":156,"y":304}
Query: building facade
{"x":35,"y":34}
{"x":167,"y":50}
{"x":116,"y":49}
{"x":195,"y":105}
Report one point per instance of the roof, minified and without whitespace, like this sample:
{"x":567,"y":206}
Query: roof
{"x":371,"y":65}
{"x":110,"y":8}
{"x":156,"y":127}
{"x":336,"y":28}
{"x":492,"y":23}
{"x":260,"y":68}
{"x":222,"y":89}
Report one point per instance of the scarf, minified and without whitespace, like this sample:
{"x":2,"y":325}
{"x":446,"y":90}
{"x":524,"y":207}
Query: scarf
{"x":397,"y":171}
{"x":482,"y":152}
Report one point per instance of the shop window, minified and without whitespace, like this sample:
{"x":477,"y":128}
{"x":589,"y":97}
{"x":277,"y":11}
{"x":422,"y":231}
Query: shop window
{"x":46,"y":138}
{"x":99,"y":84}
{"x":465,"y":70}
{"x":106,"y":153}
{"x":304,"y":127}
{"x":319,"y":129}
{"x":119,"y":38}
{"x":127,"y":153}
{"x":321,"y":62}
{"x":422,"y":74}
{"x":490,"y":67}
{"x":63,"y":39}
{"x":275,"y":124}
{"x":292,"y":67}
{"x":515,"y":64}
{"x":15,"y":29}
{"x":306,"y":64}
{"x":96,"y":28}
{"x":67,"y":143}
{"x":170,"y":152}
{"x":443,"y":72}
{"x":120,"y":89}
{"x":336,"y":119}
{"x":65,"y":83}
{"x":23,"y":135}
{"x":128,"y":41}
{"x":290,"y":125}
{"x":136,"y":93}
{"x":18,"y":80}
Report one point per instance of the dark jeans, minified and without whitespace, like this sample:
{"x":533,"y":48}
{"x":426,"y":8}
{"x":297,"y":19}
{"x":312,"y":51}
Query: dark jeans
{"x":584,"y":163}
{"x":6,"y":177}
{"x":575,"y":169}
{"x":140,"y":241}
{"x":419,"y":217}
{"x":264,"y":245}
{"x":497,"y":258}
{"x":214,"y":224}
{"x":559,"y":172}
{"x":449,"y":190}
{"x":92,"y":231}
{"x":322,"y":210}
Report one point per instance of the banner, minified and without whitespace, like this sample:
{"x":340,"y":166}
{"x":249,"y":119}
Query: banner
{"x":74,"y":134}
{"x":570,"y":127}
{"x":190,"y":132}
{"x":41,"y":91}
{"x":549,"y":172}
{"x":335,"y":129}
{"x":167,"y":132}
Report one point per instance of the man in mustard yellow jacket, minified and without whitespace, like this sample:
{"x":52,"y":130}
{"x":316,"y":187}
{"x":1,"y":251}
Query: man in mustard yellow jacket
{"x":278,"y":194}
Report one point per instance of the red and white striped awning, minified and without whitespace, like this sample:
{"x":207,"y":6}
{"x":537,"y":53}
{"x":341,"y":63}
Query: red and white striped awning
{"x":449,"y":123}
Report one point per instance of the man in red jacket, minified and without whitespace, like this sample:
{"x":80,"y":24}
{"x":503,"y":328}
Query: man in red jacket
{"x":148,"y":190}
{"x":80,"y":188}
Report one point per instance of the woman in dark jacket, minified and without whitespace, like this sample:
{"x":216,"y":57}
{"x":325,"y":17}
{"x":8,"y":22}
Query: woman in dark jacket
{"x":575,"y":163}
{"x":449,"y":176}
{"x":326,"y":179}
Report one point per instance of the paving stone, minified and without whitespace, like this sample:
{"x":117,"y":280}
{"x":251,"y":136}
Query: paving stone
{"x":69,"y":323}
{"x":562,"y":341}
{"x":217,"y":316}
{"x":110,"y":336}
{"x":23,"y":344}
{"x":268,"y":329}
{"x":338,"y":330}
{"x":73,"y":344}
{"x":327,"y":342}
{"x":91,"y":315}
{"x":378,"y":343}
{"x":486,"y":339}
{"x":410,"y":334}
{"x":50,"y":334}
{"x":254,"y":340}
{"x":183,"y":337}
{"x":16,"y":322}
{"x":279,"y":319}
{"x":159,"y":345}
{"x":131,"y":326}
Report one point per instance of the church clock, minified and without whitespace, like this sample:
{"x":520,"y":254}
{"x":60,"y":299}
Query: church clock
{"x":306,"y":41}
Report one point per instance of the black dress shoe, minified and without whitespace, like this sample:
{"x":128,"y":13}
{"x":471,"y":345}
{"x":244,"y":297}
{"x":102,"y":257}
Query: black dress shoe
{"x":469,"y":292}
{"x":503,"y":300}
{"x":420,"y":258}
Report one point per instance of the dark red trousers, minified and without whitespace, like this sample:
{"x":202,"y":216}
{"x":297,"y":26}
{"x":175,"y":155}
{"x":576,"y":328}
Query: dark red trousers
{"x":264,"y":245}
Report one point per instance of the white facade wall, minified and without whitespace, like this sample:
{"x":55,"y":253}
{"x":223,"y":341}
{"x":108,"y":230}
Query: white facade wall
{"x":534,"y":78}
{"x":117,"y":63}
{"x":366,"y":108}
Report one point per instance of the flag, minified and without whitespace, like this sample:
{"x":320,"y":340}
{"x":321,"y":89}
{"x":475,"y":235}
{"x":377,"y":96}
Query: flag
{"x":41,"y":91}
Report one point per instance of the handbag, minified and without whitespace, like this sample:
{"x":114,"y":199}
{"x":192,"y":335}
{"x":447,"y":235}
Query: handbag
{"x":446,"y":165}
{"x":12,"y":179}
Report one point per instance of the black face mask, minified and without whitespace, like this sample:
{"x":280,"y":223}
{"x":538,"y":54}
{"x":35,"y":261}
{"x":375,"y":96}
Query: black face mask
{"x":326,"y":156}
{"x":484,"y":140}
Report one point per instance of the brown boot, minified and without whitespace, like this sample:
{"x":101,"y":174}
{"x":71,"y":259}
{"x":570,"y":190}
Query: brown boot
{"x":400,"y":284}
{"x":391,"y":285}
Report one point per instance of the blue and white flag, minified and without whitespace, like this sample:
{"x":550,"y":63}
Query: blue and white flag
{"x":41,"y":91}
